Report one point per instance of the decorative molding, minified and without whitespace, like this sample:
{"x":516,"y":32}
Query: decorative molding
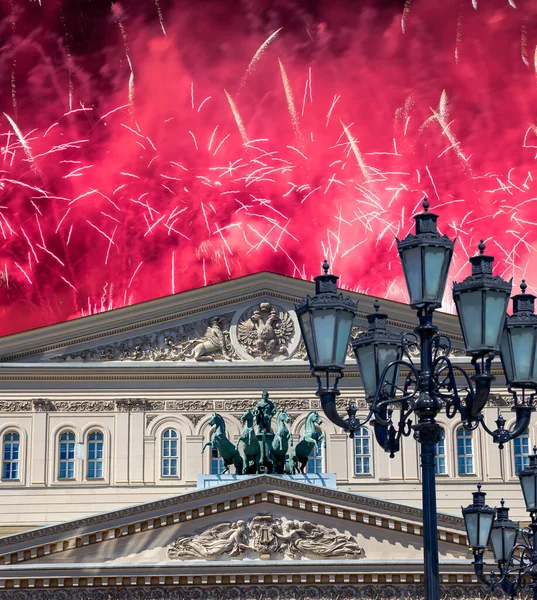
{"x":201,"y":497}
{"x":499,"y":401}
{"x":41,"y":404}
{"x":133,"y":405}
{"x":206,"y":339}
{"x":195,"y":418}
{"x":149,"y":419}
{"x":288,"y":591}
{"x":267,"y":536}
{"x":15,"y":406}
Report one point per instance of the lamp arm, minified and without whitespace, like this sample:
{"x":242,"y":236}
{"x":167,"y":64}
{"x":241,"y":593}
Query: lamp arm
{"x":479,"y":570}
{"x":501,"y":435}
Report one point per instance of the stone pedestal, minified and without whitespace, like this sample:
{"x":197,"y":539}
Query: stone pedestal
{"x":327,"y":480}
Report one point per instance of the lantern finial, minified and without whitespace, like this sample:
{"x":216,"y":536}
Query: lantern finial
{"x":376,"y":305}
{"x":482,"y":247}
{"x":326,"y":267}
{"x":523,"y":286}
{"x":425,"y":204}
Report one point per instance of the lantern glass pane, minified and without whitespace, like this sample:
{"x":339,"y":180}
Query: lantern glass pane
{"x":471,"y":524}
{"x":343,"y":336}
{"x":522,"y":341}
{"x":388,"y":353}
{"x":485,"y":525}
{"x":324,"y":326}
{"x":412,"y":268}
{"x":494,"y":316}
{"x":470,"y":315}
{"x":528,"y":483}
{"x":505,"y":351}
{"x":434,"y":261}
{"x":307,"y":334}
{"x":503,"y":540}
{"x":366,"y":362}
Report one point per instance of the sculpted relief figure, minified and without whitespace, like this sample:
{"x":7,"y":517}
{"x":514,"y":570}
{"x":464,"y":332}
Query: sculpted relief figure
{"x":267,"y":535}
{"x":225,"y":538}
{"x":213,"y":340}
{"x":265,"y":332}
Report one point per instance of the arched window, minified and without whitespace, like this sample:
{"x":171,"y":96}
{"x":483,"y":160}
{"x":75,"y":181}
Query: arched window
{"x":440,"y":458}
{"x":315,"y":460}
{"x":217,"y":464}
{"x":169,"y":453}
{"x":95,"y":455}
{"x":67,"y":456}
{"x":465,"y":459}
{"x":10,"y":454}
{"x":362,"y":452}
{"x":521,"y":450}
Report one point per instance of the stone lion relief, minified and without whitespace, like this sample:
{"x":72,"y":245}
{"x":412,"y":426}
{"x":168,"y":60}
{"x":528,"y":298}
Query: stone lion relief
{"x":265,"y":331}
{"x":266,"y":536}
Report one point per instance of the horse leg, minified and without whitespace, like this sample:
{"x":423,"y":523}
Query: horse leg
{"x":205,"y":446}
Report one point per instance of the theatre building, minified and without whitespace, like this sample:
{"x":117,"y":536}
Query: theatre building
{"x":105,"y":491}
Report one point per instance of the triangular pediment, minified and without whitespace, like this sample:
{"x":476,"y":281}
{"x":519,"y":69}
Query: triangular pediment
{"x":223,"y":323}
{"x":237,"y":527}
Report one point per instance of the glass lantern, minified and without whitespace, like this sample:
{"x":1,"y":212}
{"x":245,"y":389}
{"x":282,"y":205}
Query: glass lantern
{"x":375,"y":350}
{"x":481,"y":301}
{"x":478,"y":519}
{"x":325,"y":323}
{"x":426,"y":256}
{"x":503,"y":535}
{"x":518,"y":342}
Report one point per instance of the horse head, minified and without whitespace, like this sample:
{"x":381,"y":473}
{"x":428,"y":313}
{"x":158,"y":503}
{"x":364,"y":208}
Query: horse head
{"x":316,"y":419}
{"x":283,"y":417}
{"x":217,"y":420}
{"x":247,"y":417}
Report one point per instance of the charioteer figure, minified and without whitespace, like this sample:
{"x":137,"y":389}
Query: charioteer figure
{"x":264,"y":410}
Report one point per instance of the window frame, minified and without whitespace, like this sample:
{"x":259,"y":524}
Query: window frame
{"x":88,"y":460}
{"x":467,"y":436}
{"x":18,"y":461}
{"x":59,"y":460}
{"x":444,"y":455}
{"x":171,"y":457}
{"x":524,"y":455}
{"x":359,"y":437}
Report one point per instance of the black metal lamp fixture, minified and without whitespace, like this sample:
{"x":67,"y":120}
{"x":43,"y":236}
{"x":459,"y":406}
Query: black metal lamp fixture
{"x":426,"y":257}
{"x":514,"y":548}
{"x":519,"y":341}
{"x":398,"y":409}
{"x":478,"y":518}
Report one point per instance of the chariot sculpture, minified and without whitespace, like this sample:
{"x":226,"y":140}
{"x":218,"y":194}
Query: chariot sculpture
{"x":264,"y":450}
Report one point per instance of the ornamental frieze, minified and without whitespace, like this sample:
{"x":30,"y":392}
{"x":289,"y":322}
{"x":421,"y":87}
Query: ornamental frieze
{"x":288,"y":591}
{"x":203,"y":340}
{"x":15,"y":406}
{"x":265,"y":535}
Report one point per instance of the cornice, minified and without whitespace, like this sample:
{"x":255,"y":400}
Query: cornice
{"x":149,"y":315}
{"x":258,"y":490}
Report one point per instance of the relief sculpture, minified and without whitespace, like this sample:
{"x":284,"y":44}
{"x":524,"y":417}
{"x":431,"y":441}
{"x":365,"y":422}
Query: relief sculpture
{"x":265,"y":332}
{"x":203,"y":340}
{"x":265,"y":535}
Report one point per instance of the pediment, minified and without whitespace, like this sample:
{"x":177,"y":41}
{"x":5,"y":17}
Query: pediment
{"x":250,"y":318}
{"x":310,"y":522}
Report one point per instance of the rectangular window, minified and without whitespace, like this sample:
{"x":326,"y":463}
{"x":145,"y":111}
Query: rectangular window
{"x":95,"y":455}
{"x":440,"y":458}
{"x":465,"y":460}
{"x":362,"y":454}
{"x":521,"y":450}
{"x":217,"y":464}
{"x":10,"y":466}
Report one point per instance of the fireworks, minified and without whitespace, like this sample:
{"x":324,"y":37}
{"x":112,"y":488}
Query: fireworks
{"x":134,"y":170}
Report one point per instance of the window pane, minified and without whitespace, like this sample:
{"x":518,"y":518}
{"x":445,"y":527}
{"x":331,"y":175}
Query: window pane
{"x":521,"y":450}
{"x":169,"y":453}
{"x":362,"y":463}
{"x":465,"y":463}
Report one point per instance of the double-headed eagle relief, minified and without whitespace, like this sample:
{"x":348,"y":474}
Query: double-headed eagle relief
{"x":266,"y":536}
{"x":265,"y":331}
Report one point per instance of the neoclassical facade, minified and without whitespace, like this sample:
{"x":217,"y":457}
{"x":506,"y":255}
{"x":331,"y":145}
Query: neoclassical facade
{"x":112,"y":411}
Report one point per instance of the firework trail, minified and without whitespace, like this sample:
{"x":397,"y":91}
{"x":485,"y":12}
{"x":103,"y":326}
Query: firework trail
{"x":148,"y":148}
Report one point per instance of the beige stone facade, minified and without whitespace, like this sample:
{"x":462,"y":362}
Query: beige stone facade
{"x":129,"y":376}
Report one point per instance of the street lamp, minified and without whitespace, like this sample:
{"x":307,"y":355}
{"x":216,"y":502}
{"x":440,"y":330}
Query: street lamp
{"x":514,"y":548}
{"x":397,"y":408}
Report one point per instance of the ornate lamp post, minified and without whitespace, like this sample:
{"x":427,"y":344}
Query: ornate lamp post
{"x":434,"y":383}
{"x":514,"y":548}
